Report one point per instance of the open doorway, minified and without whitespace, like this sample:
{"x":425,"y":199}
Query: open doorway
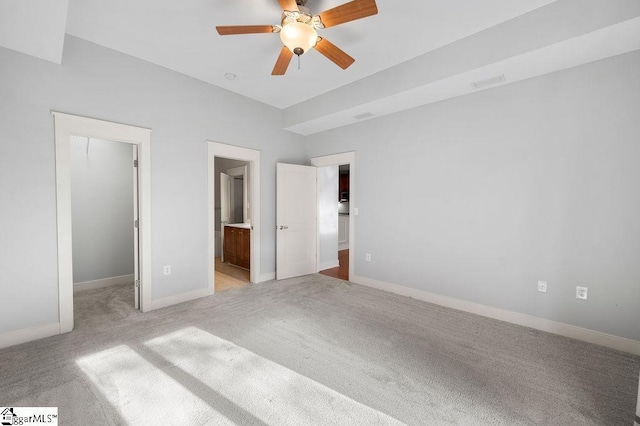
{"x":246,"y":164}
{"x":232,"y":224}
{"x":103,"y":211}
{"x":335,"y":214}
{"x":333,"y":223}
{"x":138,"y":141}
{"x":104,"y":208}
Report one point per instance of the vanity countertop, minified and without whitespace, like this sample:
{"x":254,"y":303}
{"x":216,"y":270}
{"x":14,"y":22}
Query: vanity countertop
{"x":240,"y":225}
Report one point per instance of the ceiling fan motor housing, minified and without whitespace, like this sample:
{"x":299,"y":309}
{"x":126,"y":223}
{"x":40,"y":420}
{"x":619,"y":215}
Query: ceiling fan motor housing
{"x":303,"y":14}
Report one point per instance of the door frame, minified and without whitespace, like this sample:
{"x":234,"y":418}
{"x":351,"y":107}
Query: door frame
{"x":338,"y":160}
{"x":136,"y":232}
{"x":67,"y":125}
{"x":252,"y":156}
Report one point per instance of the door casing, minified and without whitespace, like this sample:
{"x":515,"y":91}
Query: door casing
{"x":67,"y":125}
{"x":252,"y":156}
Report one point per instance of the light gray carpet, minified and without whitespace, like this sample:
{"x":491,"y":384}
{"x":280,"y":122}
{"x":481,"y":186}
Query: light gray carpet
{"x":312,"y":350}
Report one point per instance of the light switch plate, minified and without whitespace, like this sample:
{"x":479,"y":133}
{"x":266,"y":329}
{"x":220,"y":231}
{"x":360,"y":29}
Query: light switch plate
{"x":582,"y":293}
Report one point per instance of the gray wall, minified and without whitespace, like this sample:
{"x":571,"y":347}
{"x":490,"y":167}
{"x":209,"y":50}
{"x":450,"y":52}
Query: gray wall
{"x":101,"y":208}
{"x":183,"y":113}
{"x":537,"y":180}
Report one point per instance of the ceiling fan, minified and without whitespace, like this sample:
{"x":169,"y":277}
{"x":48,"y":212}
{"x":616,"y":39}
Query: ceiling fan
{"x":298,"y":30}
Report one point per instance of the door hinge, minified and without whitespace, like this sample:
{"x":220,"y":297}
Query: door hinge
{"x":135,"y":163}
{"x":137,"y":283}
{"x":135,"y":223}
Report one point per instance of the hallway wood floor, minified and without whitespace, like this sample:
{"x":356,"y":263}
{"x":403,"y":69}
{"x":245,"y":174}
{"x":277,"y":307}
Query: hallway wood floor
{"x":341,"y":272}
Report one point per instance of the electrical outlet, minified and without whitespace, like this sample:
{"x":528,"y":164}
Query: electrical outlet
{"x":367,"y":257}
{"x":582,"y":293}
{"x":542,"y":286}
{"x":167,"y":270}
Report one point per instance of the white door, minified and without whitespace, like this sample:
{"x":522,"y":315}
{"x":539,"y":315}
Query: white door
{"x":242,"y":171}
{"x":225,"y":206}
{"x":136,"y":233}
{"x":296,"y":221}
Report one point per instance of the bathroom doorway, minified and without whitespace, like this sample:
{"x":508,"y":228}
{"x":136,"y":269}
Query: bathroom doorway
{"x":243,"y":157}
{"x":233,"y":224}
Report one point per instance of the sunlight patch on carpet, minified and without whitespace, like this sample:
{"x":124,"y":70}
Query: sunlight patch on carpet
{"x":142,"y":393}
{"x":270,"y":392}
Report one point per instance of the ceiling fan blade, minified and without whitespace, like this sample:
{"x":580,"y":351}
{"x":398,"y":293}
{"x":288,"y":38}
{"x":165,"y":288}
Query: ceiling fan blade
{"x":283,"y":61}
{"x":347,"y":12}
{"x":334,"y":54}
{"x":244,"y":29}
{"x":290,"y":5}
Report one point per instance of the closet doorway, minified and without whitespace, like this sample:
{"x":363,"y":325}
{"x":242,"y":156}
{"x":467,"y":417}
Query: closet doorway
{"x":138,"y":141}
{"x":104,"y":214}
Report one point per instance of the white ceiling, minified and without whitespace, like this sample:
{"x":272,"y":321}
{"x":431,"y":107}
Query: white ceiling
{"x":182,"y":36}
{"x":410,"y":54}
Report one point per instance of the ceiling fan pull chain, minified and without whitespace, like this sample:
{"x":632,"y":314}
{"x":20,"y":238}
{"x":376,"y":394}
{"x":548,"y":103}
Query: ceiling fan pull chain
{"x":298,"y":62}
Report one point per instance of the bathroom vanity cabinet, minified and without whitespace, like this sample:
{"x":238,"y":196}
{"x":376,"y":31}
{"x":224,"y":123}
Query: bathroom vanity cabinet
{"x":237,"y":244}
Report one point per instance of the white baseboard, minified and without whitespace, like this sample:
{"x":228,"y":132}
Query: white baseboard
{"x":328,"y":265}
{"x":180,"y":298}
{"x":562,"y":329}
{"x":269,"y":276}
{"x":28,"y":334}
{"x":104,"y":282}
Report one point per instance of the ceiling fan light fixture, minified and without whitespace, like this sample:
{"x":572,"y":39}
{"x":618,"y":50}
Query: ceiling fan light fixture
{"x":298,"y":37}
{"x":298,"y":33}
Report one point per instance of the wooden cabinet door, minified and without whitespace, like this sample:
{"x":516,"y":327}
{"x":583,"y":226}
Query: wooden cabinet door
{"x":243,"y":243}
{"x":229,"y":244}
{"x":237,"y":246}
{"x":343,"y":187}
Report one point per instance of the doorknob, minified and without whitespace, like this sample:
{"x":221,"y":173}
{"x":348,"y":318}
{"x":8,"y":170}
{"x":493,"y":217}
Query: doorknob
{"x":282,"y":227}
